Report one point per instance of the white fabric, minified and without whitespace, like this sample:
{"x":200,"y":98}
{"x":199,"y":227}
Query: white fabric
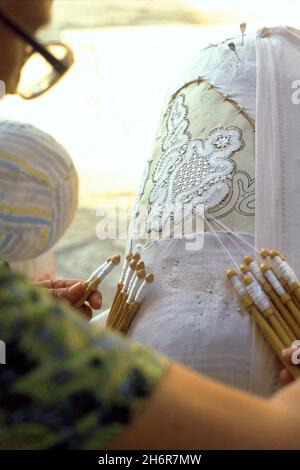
{"x":191,"y":312}
{"x":192,"y":315}
{"x":219,"y":65}
{"x":278,"y":142}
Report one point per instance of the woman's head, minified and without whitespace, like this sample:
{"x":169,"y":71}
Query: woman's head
{"x":38,"y":191}
{"x":31,"y":14}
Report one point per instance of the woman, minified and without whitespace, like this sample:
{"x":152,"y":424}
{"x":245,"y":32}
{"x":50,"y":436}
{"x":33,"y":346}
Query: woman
{"x":65,"y":387}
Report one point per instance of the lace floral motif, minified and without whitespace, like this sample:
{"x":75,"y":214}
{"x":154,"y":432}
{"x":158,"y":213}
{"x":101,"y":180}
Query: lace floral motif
{"x":241,"y":198}
{"x":191,"y":171}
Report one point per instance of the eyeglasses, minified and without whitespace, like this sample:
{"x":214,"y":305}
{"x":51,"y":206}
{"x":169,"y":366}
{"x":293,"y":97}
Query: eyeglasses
{"x":44,"y":64}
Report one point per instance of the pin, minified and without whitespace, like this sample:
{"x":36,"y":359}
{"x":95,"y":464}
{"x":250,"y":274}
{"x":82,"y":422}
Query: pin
{"x":232,"y":47}
{"x":243,"y":29}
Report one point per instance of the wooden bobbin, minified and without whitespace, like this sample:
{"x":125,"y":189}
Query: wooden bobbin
{"x":122,"y":297}
{"x":93,"y":285}
{"x":277,"y":306}
{"x":271,"y":317}
{"x":266,"y":329}
{"x":274,"y":341}
{"x":284,"y":316}
{"x":134,"y":307}
{"x":246,"y":299}
{"x":124,"y":312}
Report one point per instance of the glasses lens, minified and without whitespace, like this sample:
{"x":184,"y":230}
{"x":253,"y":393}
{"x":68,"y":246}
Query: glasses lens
{"x":38,"y":75}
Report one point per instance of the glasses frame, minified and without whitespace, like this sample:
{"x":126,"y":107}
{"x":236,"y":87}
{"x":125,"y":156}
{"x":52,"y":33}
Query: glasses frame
{"x":60,"y":66}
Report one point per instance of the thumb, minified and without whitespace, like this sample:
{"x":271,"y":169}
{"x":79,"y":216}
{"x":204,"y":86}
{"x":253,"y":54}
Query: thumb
{"x":71,"y":294}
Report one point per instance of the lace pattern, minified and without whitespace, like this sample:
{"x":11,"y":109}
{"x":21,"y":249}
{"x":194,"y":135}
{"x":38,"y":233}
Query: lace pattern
{"x":191,"y":171}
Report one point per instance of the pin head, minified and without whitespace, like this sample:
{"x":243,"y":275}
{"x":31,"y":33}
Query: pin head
{"x":232,"y":47}
{"x":243,"y":27}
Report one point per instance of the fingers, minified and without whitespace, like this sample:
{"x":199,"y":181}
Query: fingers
{"x":58,"y":283}
{"x":70,"y":294}
{"x":71,"y":290}
{"x":287,"y":353}
{"x":95,"y":300}
{"x":285,"y":377}
{"x":86,"y":311}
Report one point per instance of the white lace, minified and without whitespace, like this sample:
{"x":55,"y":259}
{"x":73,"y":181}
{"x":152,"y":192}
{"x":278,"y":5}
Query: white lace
{"x":191,"y":171}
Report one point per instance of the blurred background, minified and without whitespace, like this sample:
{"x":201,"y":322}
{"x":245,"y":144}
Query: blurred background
{"x":106,"y":109}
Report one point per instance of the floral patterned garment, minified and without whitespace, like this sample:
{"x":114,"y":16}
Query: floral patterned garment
{"x":64,"y":386}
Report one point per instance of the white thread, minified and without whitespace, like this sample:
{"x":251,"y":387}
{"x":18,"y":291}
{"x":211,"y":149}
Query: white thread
{"x":256,"y":271}
{"x":258,"y":296}
{"x":223,"y":246}
{"x":291,"y":272}
{"x":228,"y":234}
{"x":128,"y":277}
{"x":134,"y":289}
{"x":106,"y":270}
{"x":234,"y":234}
{"x":285,"y":270}
{"x":278,"y":265}
{"x":274,"y":282}
{"x":239,"y":286}
{"x":97,"y":271}
{"x":275,"y":268}
{"x":124,"y":271}
{"x":141,"y":292}
{"x":234,"y":242}
{"x":132,"y":281}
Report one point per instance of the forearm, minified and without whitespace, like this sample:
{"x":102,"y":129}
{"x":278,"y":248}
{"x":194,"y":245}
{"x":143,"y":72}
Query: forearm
{"x":189,"y":411}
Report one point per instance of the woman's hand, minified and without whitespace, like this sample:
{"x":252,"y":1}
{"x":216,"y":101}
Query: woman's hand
{"x":293,"y":356}
{"x":71,"y":290}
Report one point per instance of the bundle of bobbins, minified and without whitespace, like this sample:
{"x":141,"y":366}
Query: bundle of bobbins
{"x":130,"y":292}
{"x":270,"y":291}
